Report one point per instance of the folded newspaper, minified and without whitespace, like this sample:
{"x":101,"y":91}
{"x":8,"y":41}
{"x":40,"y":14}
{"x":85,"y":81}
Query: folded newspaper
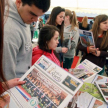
{"x":103,"y":88}
{"x":47,"y":86}
{"x":100,"y":78}
{"x":85,"y":100}
{"x":90,"y":70}
{"x":86,"y":38}
{"x":78,"y":72}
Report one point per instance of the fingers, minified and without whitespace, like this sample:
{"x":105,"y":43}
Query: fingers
{"x":92,"y":46}
{"x":97,"y":49}
{"x":15,"y":82}
{"x":20,"y":82}
{"x":64,"y":50}
{"x":16,"y":79}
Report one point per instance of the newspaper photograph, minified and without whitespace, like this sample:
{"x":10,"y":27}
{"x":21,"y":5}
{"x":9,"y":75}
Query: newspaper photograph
{"x":43,"y":63}
{"x":70,"y":83}
{"x":39,"y":87}
{"x":77,"y":72}
{"x":100,"y":78}
{"x":85,"y":100}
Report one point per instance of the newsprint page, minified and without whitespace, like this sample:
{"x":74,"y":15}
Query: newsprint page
{"x":47,"y":86}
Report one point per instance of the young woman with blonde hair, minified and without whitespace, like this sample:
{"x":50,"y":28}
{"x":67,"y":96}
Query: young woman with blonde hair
{"x":100,"y":33}
{"x":71,"y":36}
{"x":84,"y":24}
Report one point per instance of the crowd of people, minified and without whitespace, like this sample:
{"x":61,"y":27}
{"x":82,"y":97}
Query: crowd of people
{"x":58,"y":38}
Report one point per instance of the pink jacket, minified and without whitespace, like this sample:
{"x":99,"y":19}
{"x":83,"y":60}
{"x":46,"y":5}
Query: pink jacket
{"x":37,"y":53}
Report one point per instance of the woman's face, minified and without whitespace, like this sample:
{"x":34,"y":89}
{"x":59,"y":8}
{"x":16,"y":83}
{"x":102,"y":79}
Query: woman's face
{"x":66,"y":19}
{"x":52,"y":44}
{"x":104,"y":25}
{"x":60,"y":18}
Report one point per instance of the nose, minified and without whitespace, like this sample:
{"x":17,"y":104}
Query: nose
{"x":34,"y":19}
{"x":57,"y":41}
{"x":62,"y":19}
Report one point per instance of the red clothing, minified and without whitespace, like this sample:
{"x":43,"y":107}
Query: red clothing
{"x":1,"y":89}
{"x":37,"y":53}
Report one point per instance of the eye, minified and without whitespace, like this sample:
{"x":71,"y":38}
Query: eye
{"x":33,"y":14}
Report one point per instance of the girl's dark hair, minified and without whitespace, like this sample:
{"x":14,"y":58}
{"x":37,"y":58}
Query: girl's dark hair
{"x":2,"y":78}
{"x":45,"y":35}
{"x":41,"y":4}
{"x":52,"y":19}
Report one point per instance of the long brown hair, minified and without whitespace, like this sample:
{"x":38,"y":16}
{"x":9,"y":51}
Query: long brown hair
{"x":85,"y":21}
{"x":52,"y":20}
{"x":96,"y":28}
{"x":2,"y":78}
{"x":73,"y":18}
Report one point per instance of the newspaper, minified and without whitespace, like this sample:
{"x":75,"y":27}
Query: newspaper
{"x":103,"y":88}
{"x":92,"y":90}
{"x":77,"y":72}
{"x":100,"y":78}
{"x":85,"y":100}
{"x":47,"y":86}
{"x":90,"y":70}
{"x":86,"y":38}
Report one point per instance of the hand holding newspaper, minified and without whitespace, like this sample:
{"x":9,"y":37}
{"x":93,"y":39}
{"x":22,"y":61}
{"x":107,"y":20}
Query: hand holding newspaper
{"x":47,"y":86}
{"x":86,"y":38}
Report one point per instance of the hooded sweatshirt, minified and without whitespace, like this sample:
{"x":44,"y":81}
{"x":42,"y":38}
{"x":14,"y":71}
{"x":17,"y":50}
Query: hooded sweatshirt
{"x":37,"y":53}
{"x":17,"y":44}
{"x":71,"y":44}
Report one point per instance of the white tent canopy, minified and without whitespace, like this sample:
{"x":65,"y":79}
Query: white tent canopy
{"x":82,"y":6}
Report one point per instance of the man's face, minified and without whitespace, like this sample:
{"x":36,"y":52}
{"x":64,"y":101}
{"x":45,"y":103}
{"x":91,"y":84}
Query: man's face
{"x":28,"y":13}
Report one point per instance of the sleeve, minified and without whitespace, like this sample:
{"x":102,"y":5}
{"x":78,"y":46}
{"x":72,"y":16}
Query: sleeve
{"x":12,"y":44}
{"x":58,"y":49}
{"x":82,"y":48}
{"x":104,"y":54}
{"x":88,"y":27}
{"x":9,"y":60}
{"x":35,"y":58}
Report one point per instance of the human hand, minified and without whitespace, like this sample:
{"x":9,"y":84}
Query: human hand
{"x":70,"y":71}
{"x":97,"y":53}
{"x":14,"y":82}
{"x":64,"y":49}
{"x":71,"y":38}
{"x":92,"y":49}
{"x":5,"y":103}
{"x":33,"y":25}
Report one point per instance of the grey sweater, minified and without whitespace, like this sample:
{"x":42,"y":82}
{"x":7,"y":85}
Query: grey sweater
{"x":70,"y":44}
{"x":17,"y":44}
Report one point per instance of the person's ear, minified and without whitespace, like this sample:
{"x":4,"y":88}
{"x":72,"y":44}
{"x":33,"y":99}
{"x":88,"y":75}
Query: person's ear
{"x":18,"y":3}
{"x":68,"y":17}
